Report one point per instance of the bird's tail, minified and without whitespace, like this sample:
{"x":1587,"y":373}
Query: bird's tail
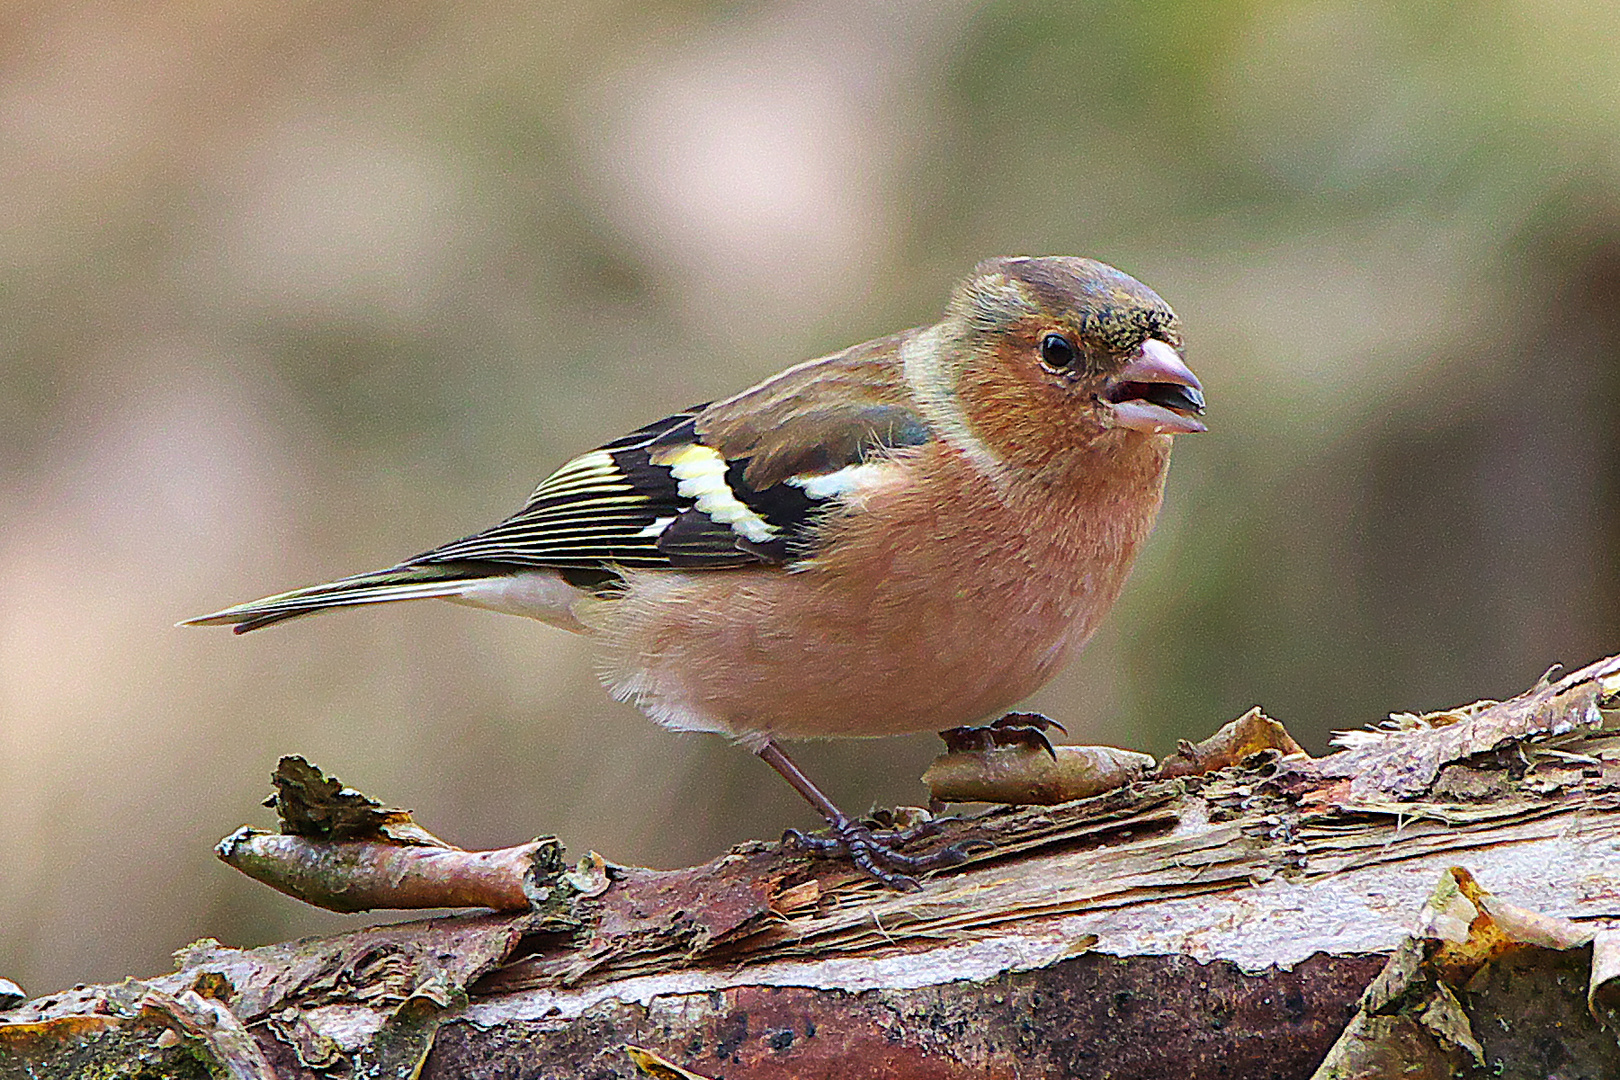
{"x":377,"y":587}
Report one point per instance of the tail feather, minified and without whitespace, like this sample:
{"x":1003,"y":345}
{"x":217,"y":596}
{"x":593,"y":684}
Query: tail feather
{"x":376,"y":587}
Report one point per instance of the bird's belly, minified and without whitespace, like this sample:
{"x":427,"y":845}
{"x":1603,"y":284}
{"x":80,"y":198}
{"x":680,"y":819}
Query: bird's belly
{"x":812,"y":654}
{"x":924,"y":608}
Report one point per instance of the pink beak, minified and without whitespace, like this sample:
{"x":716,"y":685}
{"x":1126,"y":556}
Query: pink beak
{"x":1156,"y":393}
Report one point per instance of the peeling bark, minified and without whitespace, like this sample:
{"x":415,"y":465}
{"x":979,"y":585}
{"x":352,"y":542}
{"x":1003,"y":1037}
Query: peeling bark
{"x":1091,"y":1015}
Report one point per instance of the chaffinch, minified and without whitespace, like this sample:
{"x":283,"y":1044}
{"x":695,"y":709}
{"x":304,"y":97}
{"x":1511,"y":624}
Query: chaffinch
{"x":908,"y":535}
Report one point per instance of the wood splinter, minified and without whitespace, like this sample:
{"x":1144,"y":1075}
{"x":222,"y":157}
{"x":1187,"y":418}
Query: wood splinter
{"x":358,"y":875}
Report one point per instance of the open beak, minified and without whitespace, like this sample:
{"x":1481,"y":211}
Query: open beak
{"x":1156,"y":393}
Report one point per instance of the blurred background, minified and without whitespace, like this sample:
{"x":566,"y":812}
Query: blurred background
{"x":289,"y":291}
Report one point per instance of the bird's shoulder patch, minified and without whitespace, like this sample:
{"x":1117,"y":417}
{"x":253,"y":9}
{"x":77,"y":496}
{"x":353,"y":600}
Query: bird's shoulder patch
{"x":819,"y":416}
{"x":738,"y":483}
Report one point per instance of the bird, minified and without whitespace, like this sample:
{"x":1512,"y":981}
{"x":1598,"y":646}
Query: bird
{"x":911,"y":534}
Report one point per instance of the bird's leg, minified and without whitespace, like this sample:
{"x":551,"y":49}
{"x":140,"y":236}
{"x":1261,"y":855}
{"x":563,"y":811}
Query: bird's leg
{"x":870,"y":851}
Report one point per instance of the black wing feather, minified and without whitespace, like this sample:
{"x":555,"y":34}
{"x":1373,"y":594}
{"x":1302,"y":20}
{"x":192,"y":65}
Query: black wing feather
{"x":622,"y":504}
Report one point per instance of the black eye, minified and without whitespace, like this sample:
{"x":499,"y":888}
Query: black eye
{"x":1057,"y":353}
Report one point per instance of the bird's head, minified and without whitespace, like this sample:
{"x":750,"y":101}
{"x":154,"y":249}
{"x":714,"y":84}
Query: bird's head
{"x":1054,"y":352}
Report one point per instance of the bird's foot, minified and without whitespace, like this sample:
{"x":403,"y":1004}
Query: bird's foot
{"x":873,"y":850}
{"x":1015,"y":729}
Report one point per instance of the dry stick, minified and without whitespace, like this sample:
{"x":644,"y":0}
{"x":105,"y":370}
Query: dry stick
{"x":356,"y":875}
{"x":1022,"y":775}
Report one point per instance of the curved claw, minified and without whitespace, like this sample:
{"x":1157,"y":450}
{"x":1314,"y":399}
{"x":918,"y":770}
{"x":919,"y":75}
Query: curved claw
{"x":871,"y":851}
{"x":1014,"y":729}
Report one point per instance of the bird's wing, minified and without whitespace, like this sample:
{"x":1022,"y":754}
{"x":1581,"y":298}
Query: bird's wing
{"x":819,"y":416}
{"x":736,"y":483}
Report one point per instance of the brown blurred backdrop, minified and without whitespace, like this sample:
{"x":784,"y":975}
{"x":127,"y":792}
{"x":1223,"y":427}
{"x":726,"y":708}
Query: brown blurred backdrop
{"x":293,"y":290}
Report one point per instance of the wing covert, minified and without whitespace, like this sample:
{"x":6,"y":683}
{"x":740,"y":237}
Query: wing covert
{"x":738,"y":483}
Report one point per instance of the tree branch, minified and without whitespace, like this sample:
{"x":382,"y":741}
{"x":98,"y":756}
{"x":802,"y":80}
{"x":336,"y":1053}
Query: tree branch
{"x":1225,"y":922}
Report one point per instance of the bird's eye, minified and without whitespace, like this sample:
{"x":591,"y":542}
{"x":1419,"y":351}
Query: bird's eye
{"x":1057,"y":352}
